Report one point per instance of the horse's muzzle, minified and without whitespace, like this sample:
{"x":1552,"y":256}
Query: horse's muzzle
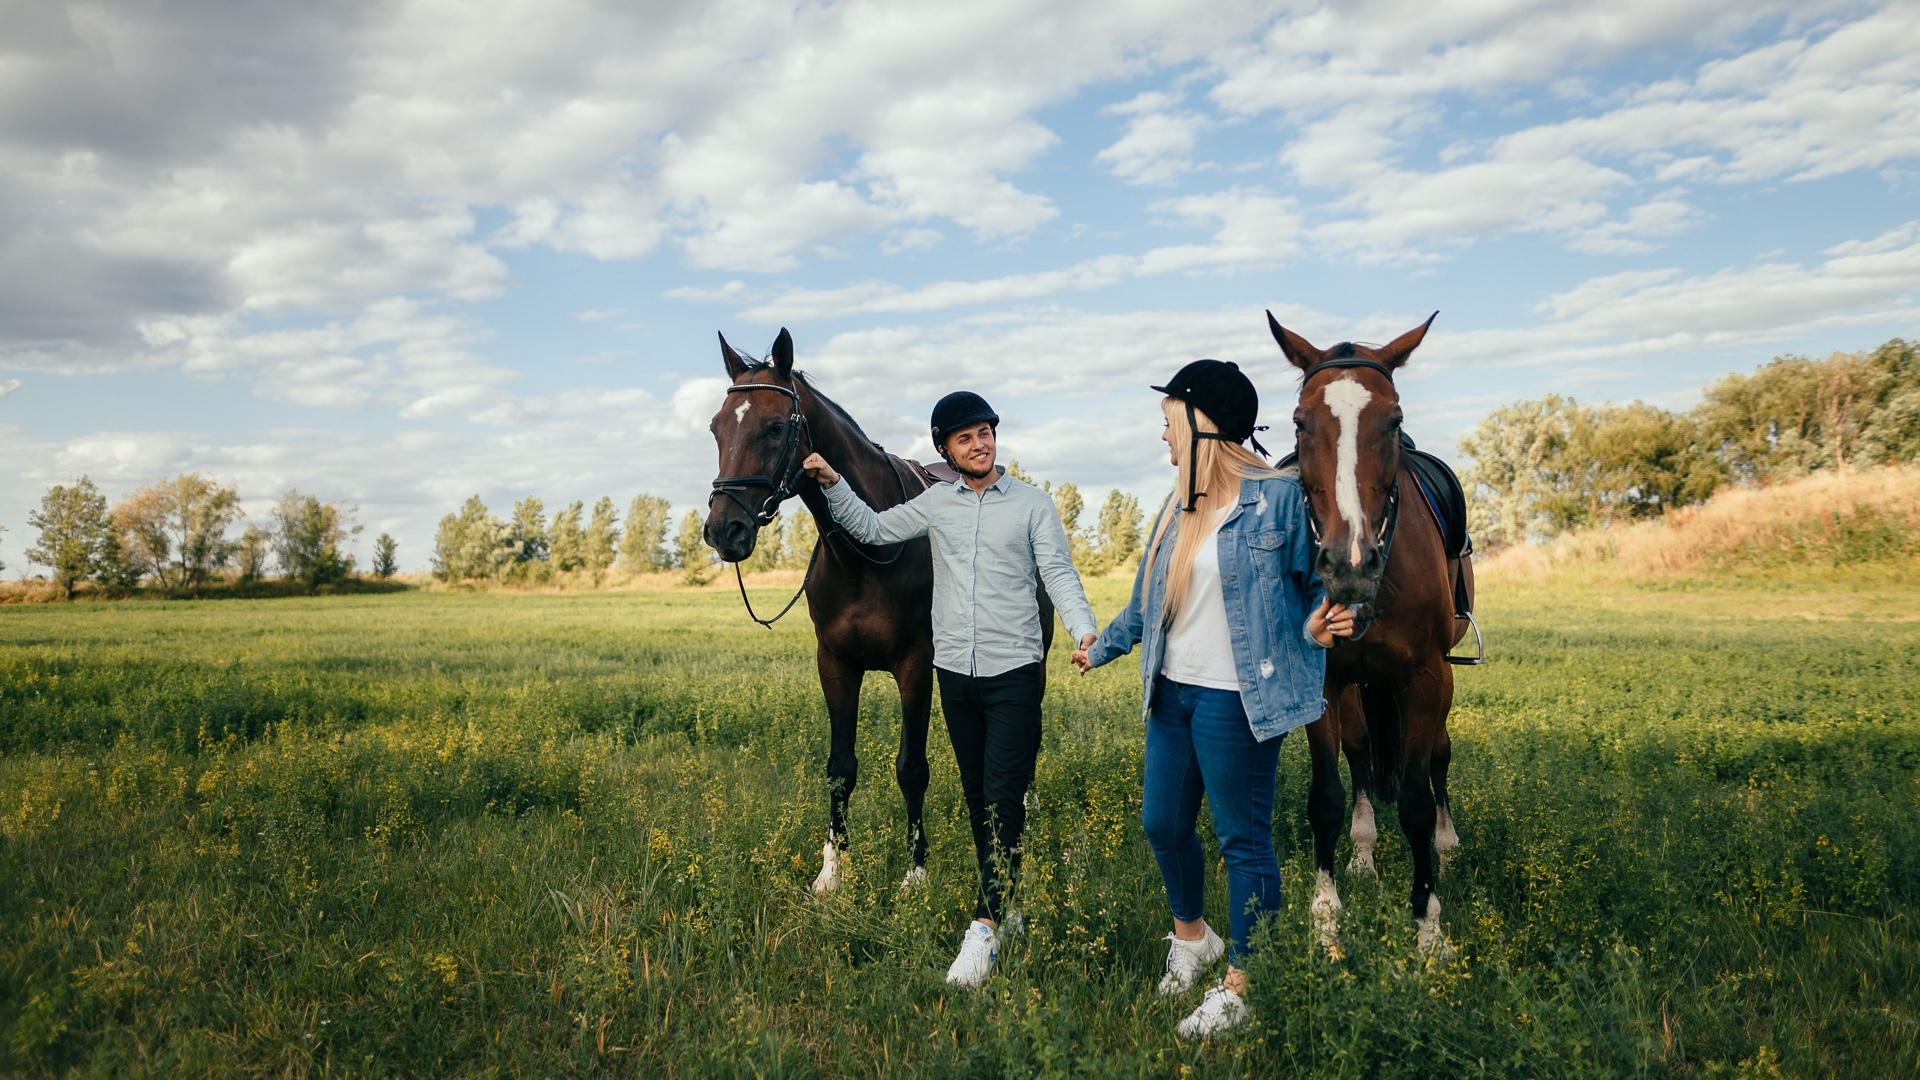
{"x":1348,"y":582}
{"x":730,"y":534}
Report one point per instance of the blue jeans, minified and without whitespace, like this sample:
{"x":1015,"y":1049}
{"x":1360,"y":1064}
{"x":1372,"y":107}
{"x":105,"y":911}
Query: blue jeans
{"x":1198,"y":743}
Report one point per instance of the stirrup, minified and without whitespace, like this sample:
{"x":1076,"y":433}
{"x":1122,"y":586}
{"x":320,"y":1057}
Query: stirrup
{"x":1478,"y":641}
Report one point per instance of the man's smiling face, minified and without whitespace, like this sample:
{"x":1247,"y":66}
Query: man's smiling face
{"x":972,"y":449}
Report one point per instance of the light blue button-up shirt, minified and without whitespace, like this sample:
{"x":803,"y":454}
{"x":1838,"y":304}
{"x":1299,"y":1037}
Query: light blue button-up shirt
{"x":988,"y":550}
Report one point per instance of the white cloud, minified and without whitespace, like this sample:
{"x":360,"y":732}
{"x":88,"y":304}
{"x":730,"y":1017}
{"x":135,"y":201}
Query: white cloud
{"x":1255,"y":229}
{"x":1158,"y":145}
{"x":8,"y":386}
{"x":598,"y":314}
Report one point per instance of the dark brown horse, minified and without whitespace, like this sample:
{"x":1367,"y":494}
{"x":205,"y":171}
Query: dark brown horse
{"x":872,"y":608}
{"x":1388,"y":689}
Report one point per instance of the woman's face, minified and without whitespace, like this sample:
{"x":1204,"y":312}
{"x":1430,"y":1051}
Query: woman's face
{"x":1166,"y":436}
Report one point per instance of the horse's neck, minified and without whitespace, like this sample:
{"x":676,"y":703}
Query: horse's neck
{"x":866,"y":466}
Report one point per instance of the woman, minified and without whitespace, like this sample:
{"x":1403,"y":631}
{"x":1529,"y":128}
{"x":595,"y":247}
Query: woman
{"x":1232,"y":621}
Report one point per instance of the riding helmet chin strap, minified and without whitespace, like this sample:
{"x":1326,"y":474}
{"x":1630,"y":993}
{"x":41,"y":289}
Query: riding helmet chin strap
{"x":1193,"y":455}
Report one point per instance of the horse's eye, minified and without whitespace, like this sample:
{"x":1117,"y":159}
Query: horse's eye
{"x":1299,"y":424}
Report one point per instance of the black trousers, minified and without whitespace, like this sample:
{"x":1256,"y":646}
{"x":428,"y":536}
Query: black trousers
{"x":994,"y":723}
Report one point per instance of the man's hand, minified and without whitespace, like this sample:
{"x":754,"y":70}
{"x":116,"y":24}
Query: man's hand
{"x":822,"y":473}
{"x":1080,"y":655}
{"x":1329,"y":621}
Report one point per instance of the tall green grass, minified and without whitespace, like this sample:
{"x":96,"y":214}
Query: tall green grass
{"x":441,"y":834}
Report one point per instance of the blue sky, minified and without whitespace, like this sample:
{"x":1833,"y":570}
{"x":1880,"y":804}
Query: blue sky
{"x":401,"y":253}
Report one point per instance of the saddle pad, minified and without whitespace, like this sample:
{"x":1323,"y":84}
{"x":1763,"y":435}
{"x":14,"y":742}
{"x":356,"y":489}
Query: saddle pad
{"x":1445,"y":498}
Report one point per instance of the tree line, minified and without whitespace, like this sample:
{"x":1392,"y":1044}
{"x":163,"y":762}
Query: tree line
{"x":1543,"y":467}
{"x":174,"y":533}
{"x":474,"y":544}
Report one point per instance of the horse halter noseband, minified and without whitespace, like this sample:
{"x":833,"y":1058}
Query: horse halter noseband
{"x":785,"y":481}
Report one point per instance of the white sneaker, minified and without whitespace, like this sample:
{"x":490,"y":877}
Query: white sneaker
{"x":1221,"y":1010}
{"x":1185,"y":959}
{"x":979,"y":951}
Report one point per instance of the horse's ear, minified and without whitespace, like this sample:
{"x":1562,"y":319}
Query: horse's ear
{"x":736,"y":364}
{"x":1395,"y":352}
{"x":783,"y":354}
{"x":1300,"y":353}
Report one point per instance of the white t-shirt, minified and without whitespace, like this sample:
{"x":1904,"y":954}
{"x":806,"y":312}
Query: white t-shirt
{"x":1199,"y":648}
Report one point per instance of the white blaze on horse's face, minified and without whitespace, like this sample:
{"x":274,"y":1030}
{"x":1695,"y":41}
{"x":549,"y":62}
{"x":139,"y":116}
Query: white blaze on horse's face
{"x":1347,"y":399}
{"x":740,"y":414}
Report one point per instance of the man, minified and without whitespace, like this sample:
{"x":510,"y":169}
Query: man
{"x":992,"y":537}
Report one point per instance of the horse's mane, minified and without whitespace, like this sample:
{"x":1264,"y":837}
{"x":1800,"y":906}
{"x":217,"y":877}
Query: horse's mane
{"x":831,"y":405}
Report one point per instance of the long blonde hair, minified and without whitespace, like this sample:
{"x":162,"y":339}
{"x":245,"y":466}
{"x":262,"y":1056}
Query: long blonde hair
{"x":1221,"y":466}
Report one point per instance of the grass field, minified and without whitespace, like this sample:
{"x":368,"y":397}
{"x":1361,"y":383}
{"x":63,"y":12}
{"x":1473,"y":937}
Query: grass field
{"x":466,"y":835}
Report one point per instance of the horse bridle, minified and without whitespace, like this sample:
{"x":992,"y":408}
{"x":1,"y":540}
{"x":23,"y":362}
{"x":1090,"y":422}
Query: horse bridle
{"x":1390,"y":519}
{"x":785,"y":484}
{"x":785,"y":481}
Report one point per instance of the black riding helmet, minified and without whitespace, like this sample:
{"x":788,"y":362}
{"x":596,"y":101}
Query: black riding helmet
{"x":1222,"y":391}
{"x":962,"y":408}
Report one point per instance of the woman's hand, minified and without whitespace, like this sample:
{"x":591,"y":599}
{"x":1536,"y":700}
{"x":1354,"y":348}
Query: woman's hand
{"x":822,"y":473}
{"x":1329,"y":621}
{"x":1079,"y":657}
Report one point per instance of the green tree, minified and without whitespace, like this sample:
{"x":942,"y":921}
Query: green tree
{"x":566,"y":540}
{"x":1119,"y":531}
{"x":385,"y":565}
{"x":74,"y":532}
{"x":601,"y":542}
{"x":310,"y":538}
{"x":527,"y":532}
{"x":770,"y":547}
{"x":1794,"y":414}
{"x":690,"y":551}
{"x":250,"y":554}
{"x":472,"y":544}
{"x":802,"y":535}
{"x":1892,"y":433}
{"x":1543,"y":467}
{"x":644,"y":547}
{"x":176,"y":528}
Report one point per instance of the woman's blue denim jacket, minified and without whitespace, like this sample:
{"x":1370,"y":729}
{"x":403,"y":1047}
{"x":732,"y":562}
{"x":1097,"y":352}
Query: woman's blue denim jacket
{"x":1269,"y":584}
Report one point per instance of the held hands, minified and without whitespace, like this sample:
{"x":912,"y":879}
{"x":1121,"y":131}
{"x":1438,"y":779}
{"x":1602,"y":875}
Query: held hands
{"x":817,"y":468}
{"x":1329,"y":621}
{"x":1079,"y":657}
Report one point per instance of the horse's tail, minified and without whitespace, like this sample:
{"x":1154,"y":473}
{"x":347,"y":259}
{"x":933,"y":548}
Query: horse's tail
{"x":1384,"y":737}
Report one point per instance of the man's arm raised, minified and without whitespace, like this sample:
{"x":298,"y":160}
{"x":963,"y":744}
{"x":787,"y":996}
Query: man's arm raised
{"x":904,"y":522}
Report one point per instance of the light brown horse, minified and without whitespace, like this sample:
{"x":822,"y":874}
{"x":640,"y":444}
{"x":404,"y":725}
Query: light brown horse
{"x":1390,"y":687}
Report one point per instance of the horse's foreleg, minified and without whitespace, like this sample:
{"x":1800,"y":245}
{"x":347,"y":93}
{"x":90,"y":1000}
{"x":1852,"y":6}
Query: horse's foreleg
{"x":1445,"y":839}
{"x":1423,"y":707}
{"x":1353,"y":740}
{"x":915,"y":677}
{"x":840,"y":682}
{"x":1325,"y":801}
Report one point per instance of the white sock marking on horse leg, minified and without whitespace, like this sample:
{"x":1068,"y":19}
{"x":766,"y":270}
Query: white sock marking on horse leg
{"x":1326,"y":909}
{"x":1433,"y":938}
{"x":829,"y":879}
{"x":1346,"y":399}
{"x":1444,"y":838}
{"x":915,"y":878}
{"x":1365,"y":833}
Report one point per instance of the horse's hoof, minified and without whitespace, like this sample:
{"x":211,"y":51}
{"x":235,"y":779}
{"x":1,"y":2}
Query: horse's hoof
{"x":829,"y":879}
{"x":915,"y":878}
